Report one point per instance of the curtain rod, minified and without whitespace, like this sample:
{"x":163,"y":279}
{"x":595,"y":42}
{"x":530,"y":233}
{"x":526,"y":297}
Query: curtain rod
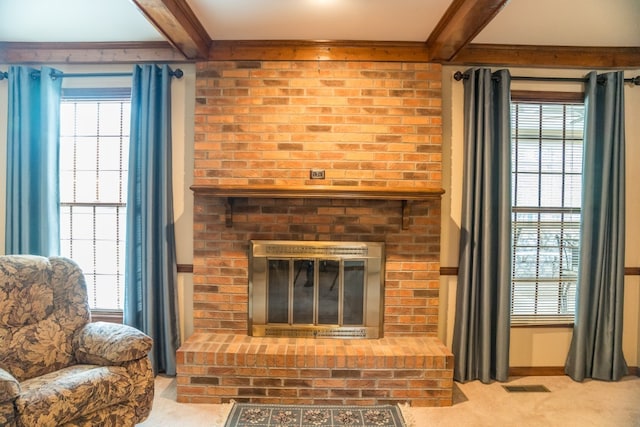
{"x":459,"y":75}
{"x":177,"y":73}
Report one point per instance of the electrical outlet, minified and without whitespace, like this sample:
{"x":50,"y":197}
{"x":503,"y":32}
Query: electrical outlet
{"x":317,"y":173}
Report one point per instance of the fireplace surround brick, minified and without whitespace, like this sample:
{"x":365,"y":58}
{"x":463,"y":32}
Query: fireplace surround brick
{"x":268,"y":123}
{"x":221,"y":256}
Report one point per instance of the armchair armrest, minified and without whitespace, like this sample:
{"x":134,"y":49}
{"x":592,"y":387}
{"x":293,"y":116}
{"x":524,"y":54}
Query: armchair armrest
{"x":102,"y":343}
{"x":9,"y":387}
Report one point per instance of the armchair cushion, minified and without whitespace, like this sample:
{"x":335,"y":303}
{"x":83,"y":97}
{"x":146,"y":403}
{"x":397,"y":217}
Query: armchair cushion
{"x":103,"y":343}
{"x":64,"y":395}
{"x":9,"y":386}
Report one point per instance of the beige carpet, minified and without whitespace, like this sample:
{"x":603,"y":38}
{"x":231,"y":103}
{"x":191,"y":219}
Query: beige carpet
{"x":568,"y":404}
{"x":167,"y":412}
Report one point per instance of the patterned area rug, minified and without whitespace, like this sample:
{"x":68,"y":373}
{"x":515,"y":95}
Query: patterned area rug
{"x":254,"y":415}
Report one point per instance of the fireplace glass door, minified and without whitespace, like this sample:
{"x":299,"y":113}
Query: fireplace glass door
{"x":307,"y":291}
{"x":316,"y":291}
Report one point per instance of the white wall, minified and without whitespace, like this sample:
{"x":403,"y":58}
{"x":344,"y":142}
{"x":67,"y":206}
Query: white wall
{"x":536,"y":347}
{"x":183,"y":104}
{"x":183,"y":94}
{"x":632,"y":255}
{"x":4,"y":84}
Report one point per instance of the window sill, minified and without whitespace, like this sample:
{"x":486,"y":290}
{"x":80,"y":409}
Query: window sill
{"x":568,"y":325}
{"x":111,"y":316}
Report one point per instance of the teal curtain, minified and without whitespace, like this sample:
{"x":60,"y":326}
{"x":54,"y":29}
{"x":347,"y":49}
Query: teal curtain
{"x":32,"y":208}
{"x":482,"y":323}
{"x":150,"y":266}
{"x":596,"y":346}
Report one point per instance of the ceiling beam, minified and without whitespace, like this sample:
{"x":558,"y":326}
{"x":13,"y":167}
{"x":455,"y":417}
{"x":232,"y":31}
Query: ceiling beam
{"x":459,"y":25}
{"x":87,"y":53}
{"x":175,"y":20}
{"x":549,"y":56}
{"x":292,"y":50}
{"x":473,"y":54}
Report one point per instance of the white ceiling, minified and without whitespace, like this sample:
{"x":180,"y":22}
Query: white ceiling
{"x":73,"y":21}
{"x":566,"y":23}
{"x":387,"y":20}
{"x":534,"y":22}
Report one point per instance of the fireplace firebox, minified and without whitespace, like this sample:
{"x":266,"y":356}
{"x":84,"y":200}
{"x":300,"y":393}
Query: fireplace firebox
{"x":316,"y":289}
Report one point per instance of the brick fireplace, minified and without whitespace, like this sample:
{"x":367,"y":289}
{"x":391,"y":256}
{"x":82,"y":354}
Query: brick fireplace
{"x":369,"y":126}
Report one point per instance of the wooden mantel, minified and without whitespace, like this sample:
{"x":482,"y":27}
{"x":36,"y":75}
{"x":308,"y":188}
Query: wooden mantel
{"x":403,"y":194}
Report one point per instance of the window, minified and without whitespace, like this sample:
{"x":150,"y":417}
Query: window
{"x":547,"y":142}
{"x":94,"y":151}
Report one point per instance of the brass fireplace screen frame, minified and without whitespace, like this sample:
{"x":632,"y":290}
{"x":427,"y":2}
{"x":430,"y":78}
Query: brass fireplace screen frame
{"x":369,"y":255}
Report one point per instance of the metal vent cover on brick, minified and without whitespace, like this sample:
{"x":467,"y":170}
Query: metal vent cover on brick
{"x":533,"y":388}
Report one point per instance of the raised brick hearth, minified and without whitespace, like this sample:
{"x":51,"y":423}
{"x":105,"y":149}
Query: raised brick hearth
{"x":269,"y":123}
{"x":219,"y":367}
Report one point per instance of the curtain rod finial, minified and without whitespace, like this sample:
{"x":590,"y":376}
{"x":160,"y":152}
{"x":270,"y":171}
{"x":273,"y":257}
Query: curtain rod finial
{"x":4,"y":75}
{"x":459,"y":75}
{"x":636,"y":80}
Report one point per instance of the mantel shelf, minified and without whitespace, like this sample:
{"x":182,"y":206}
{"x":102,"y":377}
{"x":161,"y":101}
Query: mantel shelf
{"x":318,"y":191}
{"x":403,"y":194}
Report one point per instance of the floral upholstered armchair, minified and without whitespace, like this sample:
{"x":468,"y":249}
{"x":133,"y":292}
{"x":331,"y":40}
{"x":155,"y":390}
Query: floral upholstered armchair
{"x":57,"y":368}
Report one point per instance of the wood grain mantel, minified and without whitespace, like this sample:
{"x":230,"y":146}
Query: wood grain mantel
{"x":403,"y":194}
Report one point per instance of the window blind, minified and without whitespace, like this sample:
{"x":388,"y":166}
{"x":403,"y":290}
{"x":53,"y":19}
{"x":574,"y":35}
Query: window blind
{"x":547,"y":145}
{"x":94,"y":141}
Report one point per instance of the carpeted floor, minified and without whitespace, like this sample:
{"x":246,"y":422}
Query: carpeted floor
{"x":248,"y":415}
{"x":567,"y":404}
